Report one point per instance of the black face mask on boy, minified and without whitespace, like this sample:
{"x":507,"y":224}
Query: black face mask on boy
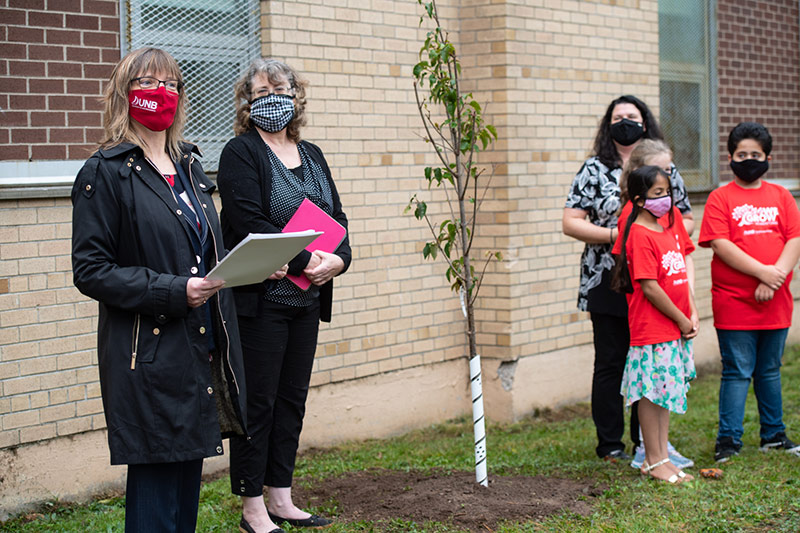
{"x":749,"y":170}
{"x":626,"y":131}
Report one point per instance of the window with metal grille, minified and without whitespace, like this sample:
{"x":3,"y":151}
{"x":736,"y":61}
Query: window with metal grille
{"x":213,"y":42}
{"x":687,"y":37}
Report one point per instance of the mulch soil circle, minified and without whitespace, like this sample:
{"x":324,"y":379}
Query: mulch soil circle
{"x":449,"y":497}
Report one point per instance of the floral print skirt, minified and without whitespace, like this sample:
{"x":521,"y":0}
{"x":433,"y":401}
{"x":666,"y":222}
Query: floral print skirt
{"x":659,"y":372}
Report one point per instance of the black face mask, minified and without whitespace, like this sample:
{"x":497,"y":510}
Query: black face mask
{"x":749,"y":170}
{"x":626,"y":132}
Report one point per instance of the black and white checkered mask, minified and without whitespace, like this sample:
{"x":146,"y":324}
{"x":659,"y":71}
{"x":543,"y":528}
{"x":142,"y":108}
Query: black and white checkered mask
{"x":273,"y":112}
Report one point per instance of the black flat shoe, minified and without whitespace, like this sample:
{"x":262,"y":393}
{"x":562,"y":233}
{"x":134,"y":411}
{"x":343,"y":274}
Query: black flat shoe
{"x":244,"y":527}
{"x":313,"y":521}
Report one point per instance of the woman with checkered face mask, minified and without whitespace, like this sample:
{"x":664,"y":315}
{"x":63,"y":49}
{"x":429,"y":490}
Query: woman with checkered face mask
{"x":265,"y":173}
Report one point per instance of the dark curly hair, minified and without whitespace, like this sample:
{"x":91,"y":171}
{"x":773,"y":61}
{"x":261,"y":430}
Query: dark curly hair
{"x":604,"y":148}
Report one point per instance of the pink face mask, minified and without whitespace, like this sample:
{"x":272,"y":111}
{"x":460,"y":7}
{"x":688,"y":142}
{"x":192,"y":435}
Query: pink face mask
{"x":155,"y":110}
{"x":658,"y":207}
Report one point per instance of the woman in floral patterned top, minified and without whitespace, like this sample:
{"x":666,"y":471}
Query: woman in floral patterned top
{"x":590,"y":215}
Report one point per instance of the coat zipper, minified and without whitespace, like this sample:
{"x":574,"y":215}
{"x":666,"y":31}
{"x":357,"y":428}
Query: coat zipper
{"x":135,"y":340}
{"x":163,"y":178}
{"x":216,"y":258}
{"x":138,"y":320}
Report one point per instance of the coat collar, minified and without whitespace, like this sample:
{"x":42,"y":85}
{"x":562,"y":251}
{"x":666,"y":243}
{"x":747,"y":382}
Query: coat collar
{"x":134,"y":165}
{"x":125,"y":148}
{"x":135,"y":154}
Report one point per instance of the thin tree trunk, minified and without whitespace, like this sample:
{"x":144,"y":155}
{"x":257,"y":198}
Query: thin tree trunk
{"x":476,"y":382}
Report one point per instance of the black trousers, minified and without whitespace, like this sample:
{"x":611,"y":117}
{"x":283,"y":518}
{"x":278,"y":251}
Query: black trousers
{"x":278,"y":346}
{"x":163,"y":497}
{"x":611,"y":341}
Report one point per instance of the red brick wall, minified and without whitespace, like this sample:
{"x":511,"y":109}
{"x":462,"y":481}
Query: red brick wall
{"x":759,"y":67}
{"x":55,"y":56}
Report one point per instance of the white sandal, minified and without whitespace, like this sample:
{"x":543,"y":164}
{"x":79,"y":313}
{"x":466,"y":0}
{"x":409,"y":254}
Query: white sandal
{"x":673,"y":479}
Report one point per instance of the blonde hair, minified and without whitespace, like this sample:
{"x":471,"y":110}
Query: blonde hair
{"x":645,"y":150}
{"x":274,"y":70}
{"x":116,"y":118}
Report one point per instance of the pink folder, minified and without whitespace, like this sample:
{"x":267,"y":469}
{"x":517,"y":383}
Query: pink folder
{"x":309,"y":216}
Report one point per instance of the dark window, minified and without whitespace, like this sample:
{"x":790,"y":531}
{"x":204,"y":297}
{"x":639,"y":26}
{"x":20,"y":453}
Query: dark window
{"x":688,"y":88}
{"x":213,"y":41}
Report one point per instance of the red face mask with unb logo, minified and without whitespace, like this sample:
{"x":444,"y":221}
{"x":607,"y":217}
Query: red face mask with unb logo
{"x":155,"y":110}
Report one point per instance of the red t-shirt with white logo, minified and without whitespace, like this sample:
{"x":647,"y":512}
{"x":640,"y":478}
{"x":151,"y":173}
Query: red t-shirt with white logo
{"x":677,"y":218}
{"x":758,"y":221}
{"x":660,"y":256}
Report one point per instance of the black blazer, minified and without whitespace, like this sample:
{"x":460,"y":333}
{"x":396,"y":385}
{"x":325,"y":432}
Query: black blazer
{"x":245,"y":185}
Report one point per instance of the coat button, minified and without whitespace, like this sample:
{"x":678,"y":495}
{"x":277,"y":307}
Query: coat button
{"x":89,"y":188}
{"x":193,"y":270}
{"x":202,"y":185}
{"x":156,"y":331}
{"x":162,"y":317}
{"x":179,"y":212}
{"x":241,"y":489}
{"x":138,"y":167}
{"x":129,"y":164}
{"x":210,"y":390}
{"x":205,"y":206}
{"x":198,"y":259}
{"x":202,"y":330}
{"x":219,"y":449}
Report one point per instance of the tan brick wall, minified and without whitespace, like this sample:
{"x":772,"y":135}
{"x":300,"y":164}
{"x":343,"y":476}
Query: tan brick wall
{"x":392,"y":310}
{"x":48,"y":377}
{"x":546,"y":69}
{"x":546,"y":79}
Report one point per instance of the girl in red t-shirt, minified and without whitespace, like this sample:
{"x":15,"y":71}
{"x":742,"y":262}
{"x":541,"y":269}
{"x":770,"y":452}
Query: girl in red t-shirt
{"x":657,"y":152}
{"x":662,"y":316}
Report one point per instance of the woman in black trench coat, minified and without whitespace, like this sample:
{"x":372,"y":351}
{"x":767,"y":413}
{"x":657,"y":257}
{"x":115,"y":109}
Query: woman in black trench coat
{"x":144,"y":234}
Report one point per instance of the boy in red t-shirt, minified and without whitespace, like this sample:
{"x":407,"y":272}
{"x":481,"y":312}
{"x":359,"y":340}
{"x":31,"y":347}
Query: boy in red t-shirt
{"x":753,"y":227}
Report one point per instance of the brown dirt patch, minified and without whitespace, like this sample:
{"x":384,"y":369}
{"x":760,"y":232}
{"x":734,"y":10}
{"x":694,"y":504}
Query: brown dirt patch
{"x":563,"y":414}
{"x":452,"y":497}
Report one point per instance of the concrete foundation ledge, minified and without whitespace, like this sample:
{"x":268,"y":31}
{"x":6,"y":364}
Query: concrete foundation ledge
{"x":515,"y":388}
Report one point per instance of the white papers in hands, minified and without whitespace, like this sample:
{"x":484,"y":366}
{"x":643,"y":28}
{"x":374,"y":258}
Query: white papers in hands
{"x":259,"y":255}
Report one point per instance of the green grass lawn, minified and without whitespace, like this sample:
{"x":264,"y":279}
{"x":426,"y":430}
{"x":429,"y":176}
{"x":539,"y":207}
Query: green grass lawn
{"x":759,"y":491}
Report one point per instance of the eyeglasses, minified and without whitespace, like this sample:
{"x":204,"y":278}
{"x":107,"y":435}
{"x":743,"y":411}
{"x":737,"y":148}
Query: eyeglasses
{"x":148,"y":83}
{"x":278,"y":91}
